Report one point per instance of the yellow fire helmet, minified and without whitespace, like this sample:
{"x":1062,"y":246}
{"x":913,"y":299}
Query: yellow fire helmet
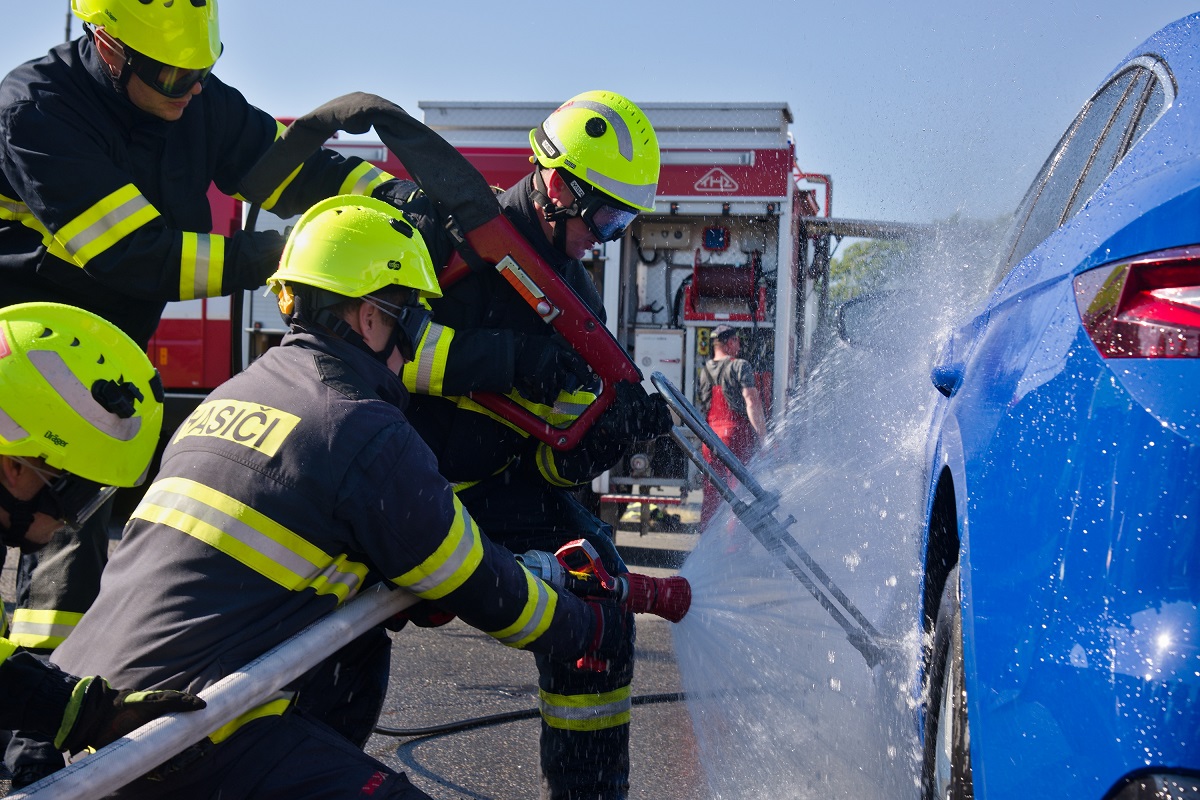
{"x":603,"y":139}
{"x":78,"y":393}
{"x":353,"y":245}
{"x":178,"y":33}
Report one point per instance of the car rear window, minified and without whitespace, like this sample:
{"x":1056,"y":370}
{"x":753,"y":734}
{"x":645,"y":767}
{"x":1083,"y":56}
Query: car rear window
{"x":1097,"y":140}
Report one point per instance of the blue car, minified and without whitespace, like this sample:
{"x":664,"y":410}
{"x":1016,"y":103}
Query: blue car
{"x":1062,"y":563}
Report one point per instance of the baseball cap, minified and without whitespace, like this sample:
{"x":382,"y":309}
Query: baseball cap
{"x":723,"y":332}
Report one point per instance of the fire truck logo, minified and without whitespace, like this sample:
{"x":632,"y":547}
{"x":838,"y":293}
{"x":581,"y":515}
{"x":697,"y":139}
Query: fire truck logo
{"x":716,"y":180}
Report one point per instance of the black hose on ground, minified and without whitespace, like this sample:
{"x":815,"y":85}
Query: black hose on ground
{"x":509,"y":716}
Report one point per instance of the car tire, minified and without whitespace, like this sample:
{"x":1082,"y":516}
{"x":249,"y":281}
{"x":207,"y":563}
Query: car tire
{"x":946,"y":770}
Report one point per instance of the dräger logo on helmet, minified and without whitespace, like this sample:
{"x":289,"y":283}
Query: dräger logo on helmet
{"x":55,"y":439}
{"x":252,"y":425}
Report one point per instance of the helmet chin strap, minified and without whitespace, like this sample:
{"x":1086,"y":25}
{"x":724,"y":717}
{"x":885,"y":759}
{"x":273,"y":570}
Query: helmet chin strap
{"x":556,"y":215}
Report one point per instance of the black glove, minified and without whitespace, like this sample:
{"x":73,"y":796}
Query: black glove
{"x":610,"y":637}
{"x":423,"y":614}
{"x":635,"y":415}
{"x":542,"y":367}
{"x":98,"y":714}
{"x":396,"y":192}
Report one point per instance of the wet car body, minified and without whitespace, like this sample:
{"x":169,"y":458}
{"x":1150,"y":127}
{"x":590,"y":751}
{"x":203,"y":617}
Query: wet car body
{"x":1062,"y":568}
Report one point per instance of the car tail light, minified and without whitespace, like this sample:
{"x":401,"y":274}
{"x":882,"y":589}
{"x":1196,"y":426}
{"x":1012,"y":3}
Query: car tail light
{"x":1147,"y":307}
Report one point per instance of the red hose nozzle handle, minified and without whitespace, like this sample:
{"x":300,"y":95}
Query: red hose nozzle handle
{"x":669,"y":598}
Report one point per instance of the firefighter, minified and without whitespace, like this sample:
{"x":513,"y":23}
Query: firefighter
{"x":108,"y":146}
{"x":733,"y":406}
{"x":596,"y":164}
{"x":294,"y":486}
{"x":80,"y":410}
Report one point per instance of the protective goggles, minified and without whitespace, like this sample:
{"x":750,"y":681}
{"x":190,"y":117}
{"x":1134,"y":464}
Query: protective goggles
{"x":68,"y":497}
{"x":606,"y":218}
{"x":411,"y":318}
{"x":173,"y":82}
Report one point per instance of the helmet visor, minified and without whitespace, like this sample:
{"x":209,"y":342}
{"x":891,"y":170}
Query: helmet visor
{"x":607,"y":222}
{"x":605,"y":217}
{"x":173,"y":82}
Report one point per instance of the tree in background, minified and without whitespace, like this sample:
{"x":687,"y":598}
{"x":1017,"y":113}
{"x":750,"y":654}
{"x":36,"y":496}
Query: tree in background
{"x":865,"y":266}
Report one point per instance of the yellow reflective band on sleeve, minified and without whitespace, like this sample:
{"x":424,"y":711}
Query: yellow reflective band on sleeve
{"x":15,"y":210}
{"x":271,"y":708}
{"x":270,"y":202}
{"x":566,"y":409}
{"x":544,"y":456}
{"x":363,"y":179}
{"x":449,"y":566}
{"x":201,"y":265}
{"x":467,"y":404}
{"x":12,"y":208}
{"x":535,"y":617}
{"x":249,"y":537}
{"x":42,"y":629}
{"x":105,"y":224}
{"x":426,"y":373}
{"x":7,"y":648}
{"x":586,"y":712}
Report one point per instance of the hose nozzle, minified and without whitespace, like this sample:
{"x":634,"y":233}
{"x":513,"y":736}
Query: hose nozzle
{"x":669,"y":598}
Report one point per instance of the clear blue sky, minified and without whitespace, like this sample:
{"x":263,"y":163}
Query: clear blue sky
{"x":916,"y":109}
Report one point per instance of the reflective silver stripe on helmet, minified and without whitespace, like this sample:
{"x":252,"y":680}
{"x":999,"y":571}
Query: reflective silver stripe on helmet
{"x":79,"y":397}
{"x":641,"y":195}
{"x":10,"y":431}
{"x":624,"y":136}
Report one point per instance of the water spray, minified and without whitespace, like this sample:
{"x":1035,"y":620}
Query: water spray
{"x":757,"y":513}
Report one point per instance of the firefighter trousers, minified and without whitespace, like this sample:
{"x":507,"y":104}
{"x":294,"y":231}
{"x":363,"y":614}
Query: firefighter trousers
{"x":585,"y":715}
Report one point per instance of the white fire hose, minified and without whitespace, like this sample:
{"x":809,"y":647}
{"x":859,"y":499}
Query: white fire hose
{"x":136,"y":753}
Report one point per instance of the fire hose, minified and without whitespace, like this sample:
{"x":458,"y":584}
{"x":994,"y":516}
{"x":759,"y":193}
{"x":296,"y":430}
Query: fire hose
{"x":136,"y":753}
{"x":757,"y":513}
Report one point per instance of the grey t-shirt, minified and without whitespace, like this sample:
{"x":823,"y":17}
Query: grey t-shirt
{"x":732,"y":375}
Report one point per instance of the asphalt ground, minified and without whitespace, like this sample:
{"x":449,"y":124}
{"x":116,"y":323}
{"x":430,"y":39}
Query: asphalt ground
{"x":455,"y":674}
